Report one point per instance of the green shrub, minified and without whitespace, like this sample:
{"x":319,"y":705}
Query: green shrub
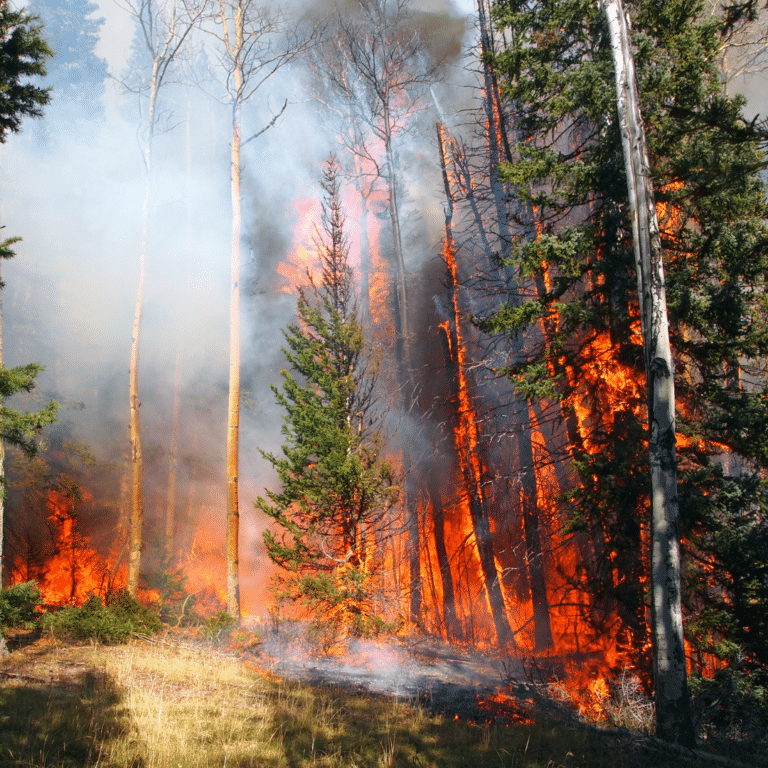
{"x":110,"y":623}
{"x":218,"y":627}
{"x":176,"y":606}
{"x":18,"y":605}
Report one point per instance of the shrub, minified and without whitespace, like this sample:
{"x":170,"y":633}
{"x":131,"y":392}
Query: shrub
{"x":176,"y":605}
{"x":218,"y":627}
{"x":110,"y":623}
{"x":18,"y":605}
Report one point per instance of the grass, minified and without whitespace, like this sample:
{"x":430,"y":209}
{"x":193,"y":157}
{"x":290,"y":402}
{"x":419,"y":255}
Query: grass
{"x":158,"y":706}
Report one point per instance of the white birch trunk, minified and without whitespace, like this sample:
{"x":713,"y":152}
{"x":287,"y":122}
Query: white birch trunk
{"x":673,"y":710}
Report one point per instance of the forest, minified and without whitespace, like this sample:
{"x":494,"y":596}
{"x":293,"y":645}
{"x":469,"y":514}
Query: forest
{"x":334,"y":315}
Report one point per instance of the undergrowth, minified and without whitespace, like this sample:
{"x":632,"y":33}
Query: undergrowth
{"x":19,"y":605}
{"x":164,"y":705}
{"x":112,"y":622}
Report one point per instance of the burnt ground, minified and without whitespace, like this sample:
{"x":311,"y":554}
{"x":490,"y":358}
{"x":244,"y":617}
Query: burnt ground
{"x":451,"y":681}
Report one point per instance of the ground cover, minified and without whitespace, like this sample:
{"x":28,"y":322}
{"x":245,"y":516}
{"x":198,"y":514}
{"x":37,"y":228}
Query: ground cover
{"x":180,"y":701}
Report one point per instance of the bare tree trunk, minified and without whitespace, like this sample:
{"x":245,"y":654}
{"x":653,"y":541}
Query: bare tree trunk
{"x":2,"y":469}
{"x":233,"y":410}
{"x":170,"y":507}
{"x":452,"y":625}
{"x":674,"y":720}
{"x":405,"y":379}
{"x":137,"y":458}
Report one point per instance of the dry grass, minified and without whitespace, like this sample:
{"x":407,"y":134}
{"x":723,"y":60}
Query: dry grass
{"x":157,"y":706}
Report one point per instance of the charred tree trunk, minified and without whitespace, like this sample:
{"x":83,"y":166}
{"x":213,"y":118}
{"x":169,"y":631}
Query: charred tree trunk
{"x":499,"y":152}
{"x":466,"y":428}
{"x":452,"y":625}
{"x":674,"y":721}
{"x":534,"y":554}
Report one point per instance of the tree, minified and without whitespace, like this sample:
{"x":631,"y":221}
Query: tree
{"x":255,"y":43}
{"x":162,"y":32}
{"x":23,"y":53}
{"x":335,"y":489}
{"x":573,"y":255}
{"x":18,"y":428}
{"x":375,"y":64}
{"x":673,"y":707}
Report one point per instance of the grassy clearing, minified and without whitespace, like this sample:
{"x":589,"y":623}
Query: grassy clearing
{"x":155,"y":706}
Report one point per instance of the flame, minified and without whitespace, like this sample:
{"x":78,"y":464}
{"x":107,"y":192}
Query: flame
{"x":303,"y":261}
{"x":73,"y":569}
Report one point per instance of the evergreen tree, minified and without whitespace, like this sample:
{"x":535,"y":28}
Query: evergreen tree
{"x":577,"y":307}
{"x":335,"y":489}
{"x":23,"y":53}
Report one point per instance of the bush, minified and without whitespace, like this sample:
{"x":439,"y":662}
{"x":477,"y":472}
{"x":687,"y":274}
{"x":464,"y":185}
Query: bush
{"x":217,"y":628}
{"x":110,"y":623}
{"x":18,"y":605}
{"x":732,"y":705}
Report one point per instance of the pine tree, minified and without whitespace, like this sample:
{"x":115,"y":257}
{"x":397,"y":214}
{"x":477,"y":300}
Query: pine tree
{"x":583,"y":352}
{"x":23,"y":53}
{"x":335,"y":488}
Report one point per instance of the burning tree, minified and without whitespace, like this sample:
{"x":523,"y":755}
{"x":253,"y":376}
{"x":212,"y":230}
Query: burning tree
{"x":335,"y":486}
{"x":374,"y":65}
{"x":578,"y":307}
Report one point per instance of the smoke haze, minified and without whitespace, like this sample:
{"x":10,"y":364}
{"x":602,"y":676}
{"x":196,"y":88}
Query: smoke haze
{"x":72,"y":188}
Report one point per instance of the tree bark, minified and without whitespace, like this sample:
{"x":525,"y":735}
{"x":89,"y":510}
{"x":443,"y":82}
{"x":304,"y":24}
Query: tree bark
{"x":173,"y":464}
{"x":674,"y":720}
{"x":137,"y":457}
{"x":465,"y":431}
{"x":2,"y":472}
{"x":233,"y":409}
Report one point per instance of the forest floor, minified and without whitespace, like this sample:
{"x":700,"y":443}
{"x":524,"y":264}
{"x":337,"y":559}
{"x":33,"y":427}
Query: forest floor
{"x":180,"y":701}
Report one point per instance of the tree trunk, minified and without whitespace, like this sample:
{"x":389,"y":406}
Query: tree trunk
{"x":405,"y":373}
{"x":233,"y":410}
{"x":452,"y":625}
{"x":137,"y":458}
{"x":499,"y":152}
{"x":170,"y":507}
{"x":2,"y":470}
{"x":465,"y":431}
{"x":674,"y":720}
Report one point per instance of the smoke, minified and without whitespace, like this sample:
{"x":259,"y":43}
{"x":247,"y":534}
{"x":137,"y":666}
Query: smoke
{"x":72,"y":187}
{"x":388,"y":668}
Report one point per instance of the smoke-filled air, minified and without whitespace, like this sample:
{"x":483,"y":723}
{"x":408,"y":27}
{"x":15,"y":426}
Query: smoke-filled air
{"x":390,"y":319}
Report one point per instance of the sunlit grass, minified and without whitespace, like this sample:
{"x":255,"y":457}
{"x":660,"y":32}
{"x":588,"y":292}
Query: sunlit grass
{"x":155,"y":706}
